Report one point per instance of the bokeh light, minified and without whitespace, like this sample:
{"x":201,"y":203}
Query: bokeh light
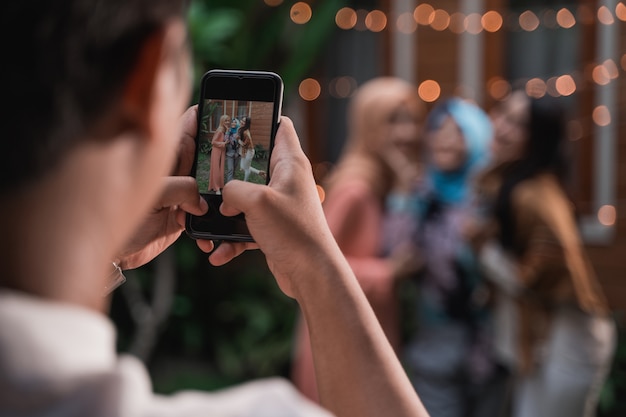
{"x":492,"y":21}
{"x":605,"y":16}
{"x":345,"y":18}
{"x":600,"y":75}
{"x":406,"y":23}
{"x":528,"y":21}
{"x":473,"y":23}
{"x":424,"y":14}
{"x":321,"y":193}
{"x":601,"y":116}
{"x":498,"y":88}
{"x":620,"y":11}
{"x":565,"y":85}
{"x":273,"y":3}
{"x":565,"y":18}
{"x":300,"y":13}
{"x":309,"y":89}
{"x":429,"y":91}
{"x":607,"y":215}
{"x":376,"y":21}
{"x":441,"y":20}
{"x":342,"y":87}
{"x":536,"y":88}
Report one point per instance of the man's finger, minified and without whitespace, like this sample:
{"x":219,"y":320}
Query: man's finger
{"x":182,"y":192}
{"x":227,"y":251}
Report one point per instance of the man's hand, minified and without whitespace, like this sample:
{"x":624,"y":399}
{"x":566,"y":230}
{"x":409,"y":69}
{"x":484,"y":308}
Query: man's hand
{"x":179,"y":195}
{"x":285,"y":218}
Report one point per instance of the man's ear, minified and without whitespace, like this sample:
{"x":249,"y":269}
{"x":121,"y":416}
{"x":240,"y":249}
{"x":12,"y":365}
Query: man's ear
{"x":139,"y":89}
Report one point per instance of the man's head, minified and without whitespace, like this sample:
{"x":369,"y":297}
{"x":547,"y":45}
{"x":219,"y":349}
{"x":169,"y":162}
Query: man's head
{"x":67,"y":67}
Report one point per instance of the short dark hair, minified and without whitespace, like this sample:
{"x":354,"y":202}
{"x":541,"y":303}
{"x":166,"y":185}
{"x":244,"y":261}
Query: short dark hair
{"x":65,"y":63}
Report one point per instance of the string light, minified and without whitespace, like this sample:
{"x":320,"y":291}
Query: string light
{"x":346,"y":18}
{"x":309,"y":89}
{"x":429,"y":91}
{"x":620,"y":11}
{"x":406,"y":23}
{"x":607,"y":215}
{"x":301,"y":13}
{"x":376,"y":21}
{"x":491,"y":21}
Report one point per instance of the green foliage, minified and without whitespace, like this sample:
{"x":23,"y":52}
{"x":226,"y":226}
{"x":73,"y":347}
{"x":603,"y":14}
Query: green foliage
{"x":248,"y":34}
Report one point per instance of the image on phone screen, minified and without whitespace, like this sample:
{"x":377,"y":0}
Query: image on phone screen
{"x":234,"y":143}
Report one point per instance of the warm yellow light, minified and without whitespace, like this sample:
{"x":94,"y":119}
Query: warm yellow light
{"x":601,"y":75}
{"x":620,"y":11}
{"x":457,"y":23}
{"x":607,"y":215}
{"x":441,"y":20}
{"x":342,"y":87}
{"x":345,"y":18}
{"x":536,"y":88}
{"x":565,"y":85}
{"x":528,"y":21}
{"x":492,"y":21}
{"x":473,"y":23}
{"x":565,"y":18}
{"x":273,"y":3}
{"x":321,"y":193}
{"x":376,"y":21}
{"x":309,"y":89}
{"x":406,"y":23}
{"x":601,"y":116}
{"x":498,"y":88}
{"x":301,"y":13}
{"x":429,"y":91}
{"x":424,"y":14}
{"x":605,"y":16}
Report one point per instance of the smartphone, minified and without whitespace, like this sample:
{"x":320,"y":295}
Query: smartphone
{"x":238,"y":115}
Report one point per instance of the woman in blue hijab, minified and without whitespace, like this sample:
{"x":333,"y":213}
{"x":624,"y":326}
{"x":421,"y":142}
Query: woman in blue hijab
{"x":447,"y":354}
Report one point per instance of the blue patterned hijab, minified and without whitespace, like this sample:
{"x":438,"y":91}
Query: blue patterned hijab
{"x":476,"y":128}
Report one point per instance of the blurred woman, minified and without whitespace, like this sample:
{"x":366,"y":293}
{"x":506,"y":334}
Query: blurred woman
{"x":380,"y":154}
{"x":554,"y":325}
{"x":218,"y":153}
{"x":448,"y":355}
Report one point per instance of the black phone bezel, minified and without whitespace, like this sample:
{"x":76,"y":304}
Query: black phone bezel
{"x":232,"y":85}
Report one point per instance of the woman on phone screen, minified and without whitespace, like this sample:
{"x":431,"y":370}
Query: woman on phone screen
{"x":216,"y":173}
{"x":246,"y":148}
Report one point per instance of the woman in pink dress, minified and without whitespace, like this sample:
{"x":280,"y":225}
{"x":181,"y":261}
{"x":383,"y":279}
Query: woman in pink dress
{"x":218,"y":156}
{"x":380,"y":155}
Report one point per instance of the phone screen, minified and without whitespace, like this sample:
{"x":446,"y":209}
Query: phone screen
{"x":237,"y":121}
